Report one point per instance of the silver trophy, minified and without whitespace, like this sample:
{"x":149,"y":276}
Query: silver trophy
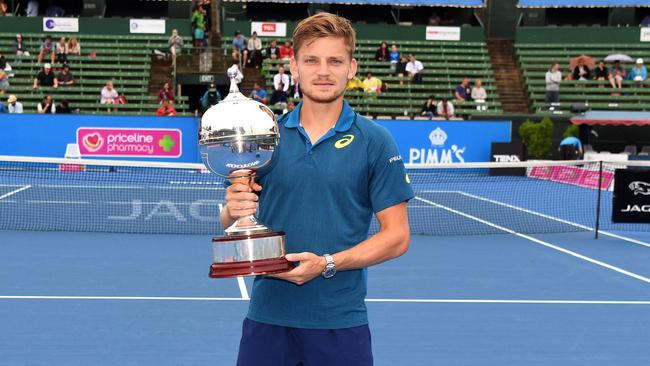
{"x":238,"y":137}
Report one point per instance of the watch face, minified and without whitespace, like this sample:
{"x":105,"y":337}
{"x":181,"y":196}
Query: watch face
{"x":329,"y":272}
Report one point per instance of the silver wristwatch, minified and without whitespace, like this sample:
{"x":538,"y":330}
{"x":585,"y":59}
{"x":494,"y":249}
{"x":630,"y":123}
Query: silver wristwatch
{"x":330,"y":267}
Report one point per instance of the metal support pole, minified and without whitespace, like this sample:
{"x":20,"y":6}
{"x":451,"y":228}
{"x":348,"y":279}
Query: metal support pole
{"x":600,"y":187}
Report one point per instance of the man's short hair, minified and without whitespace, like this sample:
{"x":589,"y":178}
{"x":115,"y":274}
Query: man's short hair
{"x":324,"y":25}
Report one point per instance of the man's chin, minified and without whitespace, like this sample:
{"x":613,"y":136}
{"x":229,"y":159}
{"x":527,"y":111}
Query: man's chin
{"x":321,"y":98}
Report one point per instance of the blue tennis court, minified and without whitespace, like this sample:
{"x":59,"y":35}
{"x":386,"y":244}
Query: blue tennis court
{"x":501,"y":271}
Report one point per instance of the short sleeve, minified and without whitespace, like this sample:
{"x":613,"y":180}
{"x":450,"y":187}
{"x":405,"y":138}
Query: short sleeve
{"x":389,"y":183}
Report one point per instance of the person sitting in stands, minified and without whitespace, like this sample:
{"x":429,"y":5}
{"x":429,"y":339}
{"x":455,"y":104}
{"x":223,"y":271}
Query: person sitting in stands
{"x":45,"y":77}
{"x":445,"y":109}
{"x":382,"y":54}
{"x":46,"y":106}
{"x":74,"y":48}
{"x":638,"y":72}
{"x":239,"y":51}
{"x":175,"y":44}
{"x":400,"y":68}
{"x":20,"y":48}
{"x":108,"y":94}
{"x":63,"y":107}
{"x":581,"y":72}
{"x":166,"y":93}
{"x":65,"y":77}
{"x":279,"y":96}
{"x":462,"y":92}
{"x":616,"y":75}
{"x":259,"y":94}
{"x":354,"y":84}
{"x":286,"y":50}
{"x":414,"y":69}
{"x":62,"y":51}
{"x":601,"y":72}
{"x":166,"y":109}
{"x":371,"y":84}
{"x":272,"y":51}
{"x":281,"y":77}
{"x":47,"y":48}
{"x":13,"y":105}
{"x":429,"y":107}
{"x":479,"y":95}
{"x":254,"y":51}
{"x":4,"y":79}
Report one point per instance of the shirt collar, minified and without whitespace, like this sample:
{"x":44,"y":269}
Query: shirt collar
{"x":346,"y":118}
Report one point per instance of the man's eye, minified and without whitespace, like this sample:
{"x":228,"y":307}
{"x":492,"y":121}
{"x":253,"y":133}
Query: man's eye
{"x":337,"y":62}
{"x":310,"y":61}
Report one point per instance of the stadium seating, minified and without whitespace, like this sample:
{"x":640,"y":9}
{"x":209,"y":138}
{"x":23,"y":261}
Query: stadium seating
{"x":445,"y":65}
{"x":535,"y":59}
{"x":123,"y":59}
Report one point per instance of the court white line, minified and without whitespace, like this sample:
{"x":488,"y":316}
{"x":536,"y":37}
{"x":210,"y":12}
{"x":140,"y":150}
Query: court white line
{"x":128,"y":187}
{"x":538,"y":241}
{"x":242,"y":288}
{"x":15,"y":191}
{"x":377,"y":300}
{"x":571,"y":223}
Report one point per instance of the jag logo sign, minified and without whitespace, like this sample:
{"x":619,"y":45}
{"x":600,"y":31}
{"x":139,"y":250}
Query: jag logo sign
{"x":129,"y":142}
{"x":631,"y":196}
{"x":437,"y":153}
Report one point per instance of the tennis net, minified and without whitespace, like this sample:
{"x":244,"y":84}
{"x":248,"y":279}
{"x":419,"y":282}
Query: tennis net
{"x":46,"y":194}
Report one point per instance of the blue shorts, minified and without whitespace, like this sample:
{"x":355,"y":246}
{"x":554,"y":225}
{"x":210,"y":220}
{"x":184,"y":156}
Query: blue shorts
{"x":272,"y":345}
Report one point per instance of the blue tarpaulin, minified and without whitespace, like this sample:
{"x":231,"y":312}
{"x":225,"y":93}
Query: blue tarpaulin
{"x":581,"y":3}
{"x":449,"y":3}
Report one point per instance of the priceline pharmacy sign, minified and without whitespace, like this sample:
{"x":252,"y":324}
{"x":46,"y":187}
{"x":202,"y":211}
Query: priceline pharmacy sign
{"x":129,"y":142}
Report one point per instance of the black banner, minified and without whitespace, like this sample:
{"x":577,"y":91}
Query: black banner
{"x":631,"y":196}
{"x":507,"y":152}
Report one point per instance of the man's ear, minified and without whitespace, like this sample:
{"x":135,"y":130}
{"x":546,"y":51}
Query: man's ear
{"x":293,"y":66}
{"x":353,"y":69}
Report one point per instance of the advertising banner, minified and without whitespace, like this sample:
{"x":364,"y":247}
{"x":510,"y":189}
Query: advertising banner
{"x":631,"y":196}
{"x":269,"y":29}
{"x":149,"y":26}
{"x":443,"y":33}
{"x":60,"y":25}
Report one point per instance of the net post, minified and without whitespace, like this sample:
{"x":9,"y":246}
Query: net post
{"x":600,"y":188}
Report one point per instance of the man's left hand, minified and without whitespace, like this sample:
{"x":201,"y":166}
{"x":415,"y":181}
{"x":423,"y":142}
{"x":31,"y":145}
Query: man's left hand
{"x":310,"y":267}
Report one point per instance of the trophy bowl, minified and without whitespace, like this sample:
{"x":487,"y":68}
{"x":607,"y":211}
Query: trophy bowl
{"x":237,"y":137}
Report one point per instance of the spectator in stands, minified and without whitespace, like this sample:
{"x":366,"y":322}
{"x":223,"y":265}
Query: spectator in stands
{"x":166,"y":93}
{"x":571,"y":148}
{"x":254,"y":51}
{"x":462,"y":92}
{"x":3,"y":8}
{"x":616,"y":75}
{"x":46,"y":106}
{"x":479,"y":94}
{"x":239,"y":52}
{"x":62,"y":51}
{"x":207,"y":7}
{"x":198,"y":26}
{"x":291,"y":106}
{"x":382,"y":54}
{"x":32,"y":8}
{"x":272,"y":51}
{"x":259,"y":94}
{"x":45,"y":77}
{"x":175,"y":44}
{"x":166,"y":109}
{"x":581,"y":71}
{"x":3,"y":108}
{"x":281,"y":77}
{"x":20,"y":48}
{"x":210,"y":97}
{"x":280,"y":97}
{"x":354,"y":84}
{"x":286,"y":50}
{"x":429,"y":107}
{"x":414,"y":69}
{"x":400,"y":68}
{"x":47,"y":48}
{"x":13,"y":105}
{"x":371,"y":84}
{"x":445,"y":109}
{"x":393,"y":57}
{"x":74,"y":48}
{"x":553,"y":80}
{"x":638,"y":73}
{"x":108,"y":94}
{"x":600,"y":72}
{"x":4,"y":79}
{"x":63,"y":107}
{"x":65,"y":77}
{"x":295,"y":88}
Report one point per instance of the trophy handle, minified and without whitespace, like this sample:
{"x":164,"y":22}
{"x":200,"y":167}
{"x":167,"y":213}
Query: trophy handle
{"x":245,"y":225}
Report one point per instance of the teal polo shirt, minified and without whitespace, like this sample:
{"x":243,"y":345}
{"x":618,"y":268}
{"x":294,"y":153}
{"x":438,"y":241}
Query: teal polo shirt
{"x":323,"y":197}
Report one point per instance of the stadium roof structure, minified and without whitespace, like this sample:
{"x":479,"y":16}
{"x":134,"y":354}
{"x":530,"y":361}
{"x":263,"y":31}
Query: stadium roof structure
{"x":447,"y":3}
{"x":582,"y":3}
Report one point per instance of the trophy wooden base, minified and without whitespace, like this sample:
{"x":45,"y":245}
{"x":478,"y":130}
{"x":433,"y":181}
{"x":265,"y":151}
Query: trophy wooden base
{"x":250,"y":268}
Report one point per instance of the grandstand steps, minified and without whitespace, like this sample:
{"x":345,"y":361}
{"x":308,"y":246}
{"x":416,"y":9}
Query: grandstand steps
{"x":161,"y":72}
{"x":509,"y":81}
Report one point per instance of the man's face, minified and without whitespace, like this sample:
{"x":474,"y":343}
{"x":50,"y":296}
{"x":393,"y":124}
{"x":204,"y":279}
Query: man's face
{"x":323,"y":68}
{"x":273,"y":43}
{"x":412,"y":58}
{"x":465,"y":82}
{"x":554,"y":67}
{"x":46,"y":70}
{"x":48,"y":99}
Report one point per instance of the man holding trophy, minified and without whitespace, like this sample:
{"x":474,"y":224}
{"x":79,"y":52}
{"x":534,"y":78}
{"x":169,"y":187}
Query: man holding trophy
{"x":331,"y":171}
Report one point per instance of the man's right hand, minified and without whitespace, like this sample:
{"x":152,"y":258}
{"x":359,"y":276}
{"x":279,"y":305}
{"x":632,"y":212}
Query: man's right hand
{"x":241,"y":201}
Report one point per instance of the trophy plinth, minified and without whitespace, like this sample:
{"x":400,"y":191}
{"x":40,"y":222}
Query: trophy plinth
{"x":238,"y":136}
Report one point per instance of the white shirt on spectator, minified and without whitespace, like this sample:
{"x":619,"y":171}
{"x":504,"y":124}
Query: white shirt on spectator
{"x":414,"y":67}
{"x":479,"y":94}
{"x":18,"y":108}
{"x":284,"y":78}
{"x":254,"y":44}
{"x":108,"y":94}
{"x":40,"y":108}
